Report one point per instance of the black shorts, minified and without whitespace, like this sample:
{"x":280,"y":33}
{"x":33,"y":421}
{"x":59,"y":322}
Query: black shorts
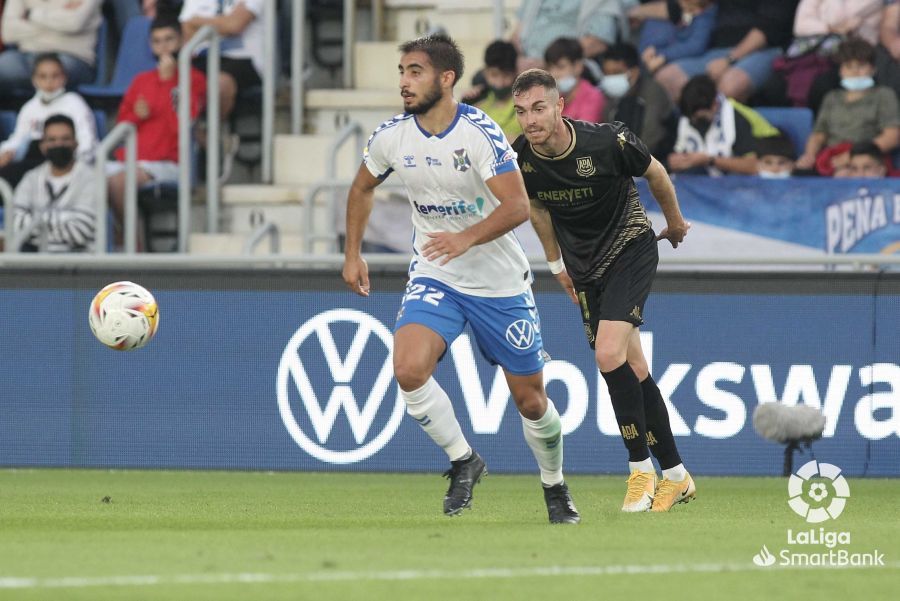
{"x":241,"y":69}
{"x":620,"y":294}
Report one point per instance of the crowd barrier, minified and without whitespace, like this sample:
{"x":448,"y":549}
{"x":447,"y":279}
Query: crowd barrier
{"x":283,"y":369}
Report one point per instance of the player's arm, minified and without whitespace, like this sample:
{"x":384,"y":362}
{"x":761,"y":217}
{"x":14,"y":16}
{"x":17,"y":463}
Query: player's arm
{"x":543,"y":226}
{"x":664,"y":192}
{"x":359,"y":207}
{"x":513,"y":211}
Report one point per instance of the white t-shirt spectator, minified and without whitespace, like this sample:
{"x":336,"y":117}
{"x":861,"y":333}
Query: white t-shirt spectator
{"x":248,"y":44}
{"x":30,"y":123}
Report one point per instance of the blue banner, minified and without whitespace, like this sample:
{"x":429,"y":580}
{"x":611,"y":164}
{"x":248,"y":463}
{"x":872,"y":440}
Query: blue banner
{"x":831,"y":216}
{"x":287,"y":380}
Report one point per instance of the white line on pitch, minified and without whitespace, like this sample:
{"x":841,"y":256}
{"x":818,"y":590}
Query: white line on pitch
{"x":338,"y":576}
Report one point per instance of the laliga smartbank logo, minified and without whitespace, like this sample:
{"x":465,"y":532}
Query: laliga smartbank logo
{"x":818,"y":492}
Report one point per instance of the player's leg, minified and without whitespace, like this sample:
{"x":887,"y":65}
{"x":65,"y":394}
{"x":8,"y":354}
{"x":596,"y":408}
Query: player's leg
{"x":508,"y":333}
{"x":428,"y":322}
{"x":677,"y":486}
{"x":628,"y":405}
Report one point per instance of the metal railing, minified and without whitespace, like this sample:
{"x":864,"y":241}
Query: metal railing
{"x":269,"y":230}
{"x":128,"y":132}
{"x":349,"y":41}
{"x":206,"y":33}
{"x":6,"y":193}
{"x":499,"y":20}
{"x":269,"y":79}
{"x":298,"y":41}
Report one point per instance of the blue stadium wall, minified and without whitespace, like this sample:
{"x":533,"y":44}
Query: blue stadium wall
{"x":285,"y":370}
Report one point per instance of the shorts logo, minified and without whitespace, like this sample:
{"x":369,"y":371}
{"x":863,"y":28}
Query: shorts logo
{"x":461,"y":160}
{"x":299,"y":388}
{"x":520,"y":334}
{"x":636,"y":314}
{"x":585,"y":167}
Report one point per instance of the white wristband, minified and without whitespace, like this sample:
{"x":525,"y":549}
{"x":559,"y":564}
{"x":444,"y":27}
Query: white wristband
{"x":556,"y":267}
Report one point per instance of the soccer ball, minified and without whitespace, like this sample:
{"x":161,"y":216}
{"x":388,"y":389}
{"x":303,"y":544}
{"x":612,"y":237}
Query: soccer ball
{"x":124,"y":316}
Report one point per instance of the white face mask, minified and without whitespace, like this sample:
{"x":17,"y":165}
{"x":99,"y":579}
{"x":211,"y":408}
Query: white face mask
{"x":567,"y":84}
{"x":48,"y":97}
{"x":774,"y":174}
{"x":615,"y":86}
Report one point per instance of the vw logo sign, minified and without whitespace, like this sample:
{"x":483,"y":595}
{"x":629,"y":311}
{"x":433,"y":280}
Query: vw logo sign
{"x":520,"y":334}
{"x":293,"y":373}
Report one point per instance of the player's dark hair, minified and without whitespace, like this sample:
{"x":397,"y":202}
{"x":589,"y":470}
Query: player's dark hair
{"x":442,"y":51}
{"x":855,"y":49}
{"x":59,"y":120}
{"x":624,"y":52}
{"x":780,"y":146}
{"x":561,"y":48}
{"x":166,"y":21}
{"x":47,"y":57}
{"x":501,"y":55}
{"x":698,"y":93}
{"x":867,"y":148}
{"x":532,"y":78}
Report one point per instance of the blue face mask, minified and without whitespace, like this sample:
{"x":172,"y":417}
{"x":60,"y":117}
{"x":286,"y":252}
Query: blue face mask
{"x":615,"y":85}
{"x":856,"y":84}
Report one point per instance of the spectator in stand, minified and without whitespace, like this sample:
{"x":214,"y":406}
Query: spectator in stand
{"x":748,"y":36}
{"x":240,"y":23}
{"x":21,"y":152}
{"x":565,"y":62}
{"x":663,"y":41}
{"x":775,"y":157}
{"x":716,"y":135}
{"x":150,"y":103}
{"x":66,"y":27}
{"x":496,"y":99}
{"x":636,"y":99}
{"x":867,"y":160}
{"x":860,"y":112}
{"x":596,"y":24}
{"x":887,"y":55}
{"x":56,"y":199}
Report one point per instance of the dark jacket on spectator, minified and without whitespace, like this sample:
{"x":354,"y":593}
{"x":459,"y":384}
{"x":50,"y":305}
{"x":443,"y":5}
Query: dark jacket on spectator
{"x":775,"y":18}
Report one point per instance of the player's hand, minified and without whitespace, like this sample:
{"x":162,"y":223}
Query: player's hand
{"x":356,"y":275}
{"x":675,"y":233}
{"x":446,"y":244}
{"x":566,"y":282}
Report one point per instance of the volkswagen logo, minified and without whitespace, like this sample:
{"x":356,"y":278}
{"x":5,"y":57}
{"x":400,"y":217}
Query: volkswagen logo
{"x":520,"y":334}
{"x":293,"y":374}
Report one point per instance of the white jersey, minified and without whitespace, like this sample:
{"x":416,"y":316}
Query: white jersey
{"x":31,"y":117}
{"x":445,"y":177}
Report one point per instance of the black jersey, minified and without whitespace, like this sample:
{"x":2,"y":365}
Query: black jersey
{"x":590,"y":193}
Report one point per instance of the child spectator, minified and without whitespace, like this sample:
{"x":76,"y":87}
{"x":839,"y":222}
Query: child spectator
{"x":663,"y":41}
{"x":499,"y":74}
{"x":637,"y":100}
{"x":775,"y":157}
{"x":21,"y":151}
{"x":56,"y":199}
{"x":867,"y":160}
{"x":860,"y":112}
{"x":565,"y":62}
{"x":716,"y":135}
{"x":150,"y":103}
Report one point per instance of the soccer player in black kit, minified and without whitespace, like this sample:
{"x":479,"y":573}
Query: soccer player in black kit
{"x":600,"y":246}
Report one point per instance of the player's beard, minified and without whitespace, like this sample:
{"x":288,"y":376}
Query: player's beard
{"x":431,"y":98}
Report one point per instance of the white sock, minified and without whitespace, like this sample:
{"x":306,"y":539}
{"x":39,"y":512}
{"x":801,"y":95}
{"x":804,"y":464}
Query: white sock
{"x":644,"y":466}
{"x":544,"y":436}
{"x":675,"y":474}
{"x":431,"y":407}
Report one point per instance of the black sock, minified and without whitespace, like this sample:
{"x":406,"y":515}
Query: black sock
{"x":659,"y":431}
{"x":628,"y":405}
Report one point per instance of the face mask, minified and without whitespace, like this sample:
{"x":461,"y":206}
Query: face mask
{"x":701,"y":124}
{"x":60,"y":156}
{"x":567,"y":84}
{"x":686,"y":18}
{"x":502,"y":93}
{"x":855,"y":84}
{"x":774,"y":174}
{"x":615,"y":85}
{"x":48,"y":97}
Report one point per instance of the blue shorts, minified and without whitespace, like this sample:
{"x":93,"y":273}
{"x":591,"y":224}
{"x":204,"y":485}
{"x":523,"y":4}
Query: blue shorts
{"x":757,"y":65}
{"x":507,"y":329}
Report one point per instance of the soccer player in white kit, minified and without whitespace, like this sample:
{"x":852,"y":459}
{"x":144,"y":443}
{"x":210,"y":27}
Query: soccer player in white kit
{"x":467,"y":195}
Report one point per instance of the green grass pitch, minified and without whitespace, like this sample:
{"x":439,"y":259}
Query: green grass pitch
{"x":86,"y":534}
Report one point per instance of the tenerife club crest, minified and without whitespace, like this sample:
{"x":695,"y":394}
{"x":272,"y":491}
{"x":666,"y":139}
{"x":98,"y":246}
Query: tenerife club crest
{"x":461,"y":160}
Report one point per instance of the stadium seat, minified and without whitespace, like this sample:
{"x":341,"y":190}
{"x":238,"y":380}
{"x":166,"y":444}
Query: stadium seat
{"x":100,"y":118}
{"x":7,"y":123}
{"x":133,"y":57}
{"x":796,"y":123}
